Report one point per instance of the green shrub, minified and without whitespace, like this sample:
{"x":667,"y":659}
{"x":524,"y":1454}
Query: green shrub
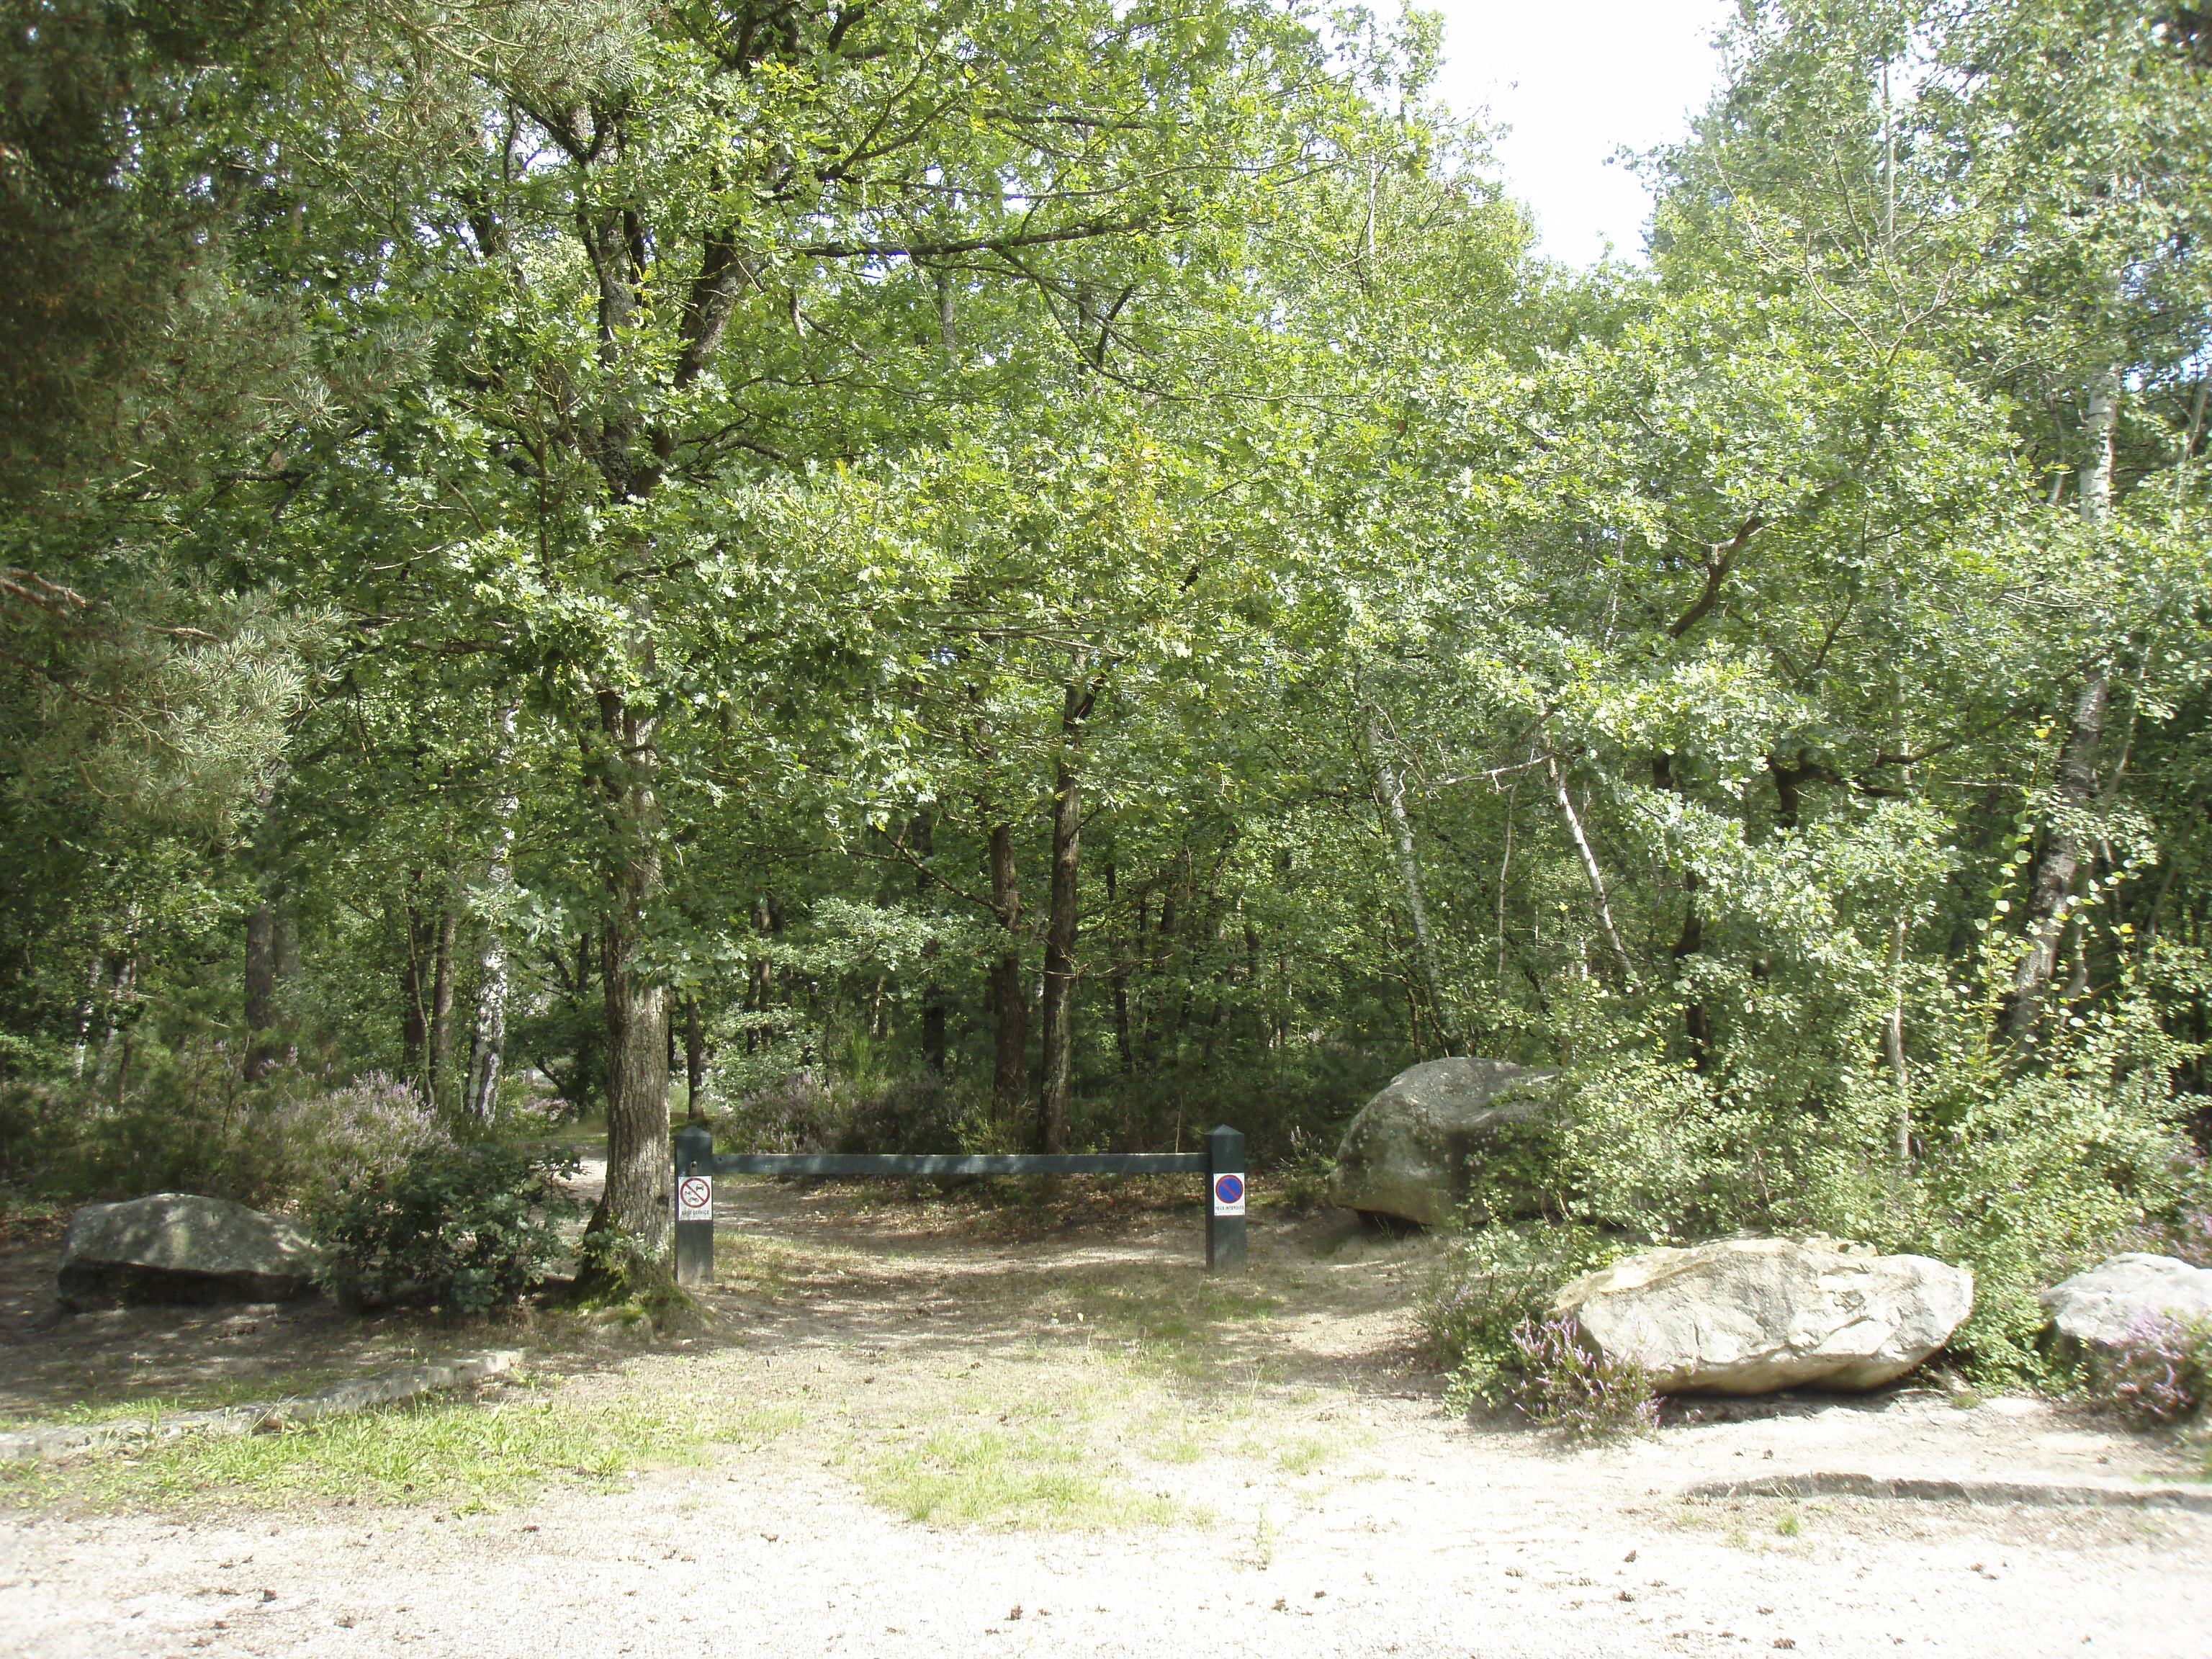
{"x":470,"y":1227}
{"x":2023,"y":1166}
{"x":1487,"y":1284}
{"x":197,"y":1123}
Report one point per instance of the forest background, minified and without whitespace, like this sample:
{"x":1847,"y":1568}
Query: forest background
{"x":917,"y":574}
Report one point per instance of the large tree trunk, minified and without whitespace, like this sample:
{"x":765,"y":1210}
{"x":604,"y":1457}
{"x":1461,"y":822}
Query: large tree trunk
{"x":1059,"y":1001}
{"x":1009,"y":1006}
{"x":636,"y":1206}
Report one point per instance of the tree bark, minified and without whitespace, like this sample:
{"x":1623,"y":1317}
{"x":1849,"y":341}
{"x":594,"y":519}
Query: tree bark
{"x":1009,"y":1006}
{"x":441,"y":1001}
{"x":2054,"y":869}
{"x":695,"y":1060}
{"x":1390,"y":789}
{"x":260,"y":975}
{"x":1060,"y":921}
{"x":636,"y":1206}
{"x":415,"y":944}
{"x":1122,"y":1046}
{"x":933,"y":993}
{"x":1590,"y":871}
{"x":1697,"y":1027}
{"x":760,"y":992}
{"x":488,"y":1043}
{"x":2095,"y":477}
{"x":2061,"y":857}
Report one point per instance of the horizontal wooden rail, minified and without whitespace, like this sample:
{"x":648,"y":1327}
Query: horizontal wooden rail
{"x":696,"y":1164}
{"x":955,"y":1163}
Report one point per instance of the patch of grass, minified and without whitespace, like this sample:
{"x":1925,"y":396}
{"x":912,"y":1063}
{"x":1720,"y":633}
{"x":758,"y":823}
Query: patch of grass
{"x":1787,"y":1524}
{"x":445,"y":1452}
{"x":1305,"y":1457}
{"x":33,"y":1218}
{"x":750,"y":1266}
{"x":213,"y":1395}
{"x":998,"y":1478}
{"x":1164,"y":1324}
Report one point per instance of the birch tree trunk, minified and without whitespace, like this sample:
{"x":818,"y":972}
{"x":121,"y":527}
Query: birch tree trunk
{"x":488,"y":1043}
{"x":1590,"y":871}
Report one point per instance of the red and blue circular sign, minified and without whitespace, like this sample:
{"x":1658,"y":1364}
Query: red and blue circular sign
{"x":1228,"y":1194}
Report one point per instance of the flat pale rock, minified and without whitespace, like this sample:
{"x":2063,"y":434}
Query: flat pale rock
{"x":177,"y":1247}
{"x":1752,"y":1316}
{"x":1417,"y":1148}
{"x":2095,"y":1310}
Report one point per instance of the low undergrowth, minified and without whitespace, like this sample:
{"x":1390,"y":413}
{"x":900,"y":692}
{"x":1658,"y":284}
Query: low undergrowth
{"x":1009,"y":1477}
{"x":215,"y":1393}
{"x":1557,"y":1383}
{"x":2160,"y":1375}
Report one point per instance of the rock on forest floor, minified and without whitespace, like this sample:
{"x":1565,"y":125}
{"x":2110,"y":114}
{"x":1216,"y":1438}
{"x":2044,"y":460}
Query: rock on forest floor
{"x":925,"y":1427}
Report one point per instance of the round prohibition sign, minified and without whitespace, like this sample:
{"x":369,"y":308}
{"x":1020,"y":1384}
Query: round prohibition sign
{"x":1229,"y":1189}
{"x":695,"y":1191}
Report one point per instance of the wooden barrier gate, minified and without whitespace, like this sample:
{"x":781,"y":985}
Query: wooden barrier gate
{"x":697,"y":1163}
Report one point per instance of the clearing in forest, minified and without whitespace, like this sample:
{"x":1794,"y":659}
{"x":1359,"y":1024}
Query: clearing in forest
{"x":928,"y":1426}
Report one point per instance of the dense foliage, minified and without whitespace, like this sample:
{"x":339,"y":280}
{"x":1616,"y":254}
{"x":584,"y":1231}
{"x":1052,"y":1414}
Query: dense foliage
{"x":1056,"y":571}
{"x":469,"y":1227}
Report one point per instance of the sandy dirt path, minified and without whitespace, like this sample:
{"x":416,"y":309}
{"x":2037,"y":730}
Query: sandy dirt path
{"x":1261,"y":1469}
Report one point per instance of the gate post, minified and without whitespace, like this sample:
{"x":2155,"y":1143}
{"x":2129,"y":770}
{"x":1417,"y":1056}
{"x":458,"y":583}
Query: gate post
{"x":694,"y":1220}
{"x":1225,"y":1201}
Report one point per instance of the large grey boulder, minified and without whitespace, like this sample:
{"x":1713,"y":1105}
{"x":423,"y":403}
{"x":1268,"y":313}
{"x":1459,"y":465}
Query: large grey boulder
{"x":2096,"y":1313}
{"x":173,"y":1247}
{"x":1751,"y":1315}
{"x":1416,"y":1149}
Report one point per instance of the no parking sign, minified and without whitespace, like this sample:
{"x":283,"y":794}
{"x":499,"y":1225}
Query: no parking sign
{"x":695,"y":1199}
{"x":1228,"y":1194}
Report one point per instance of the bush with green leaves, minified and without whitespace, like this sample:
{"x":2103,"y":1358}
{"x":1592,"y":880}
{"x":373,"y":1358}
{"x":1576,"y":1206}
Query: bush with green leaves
{"x":201,"y":1120}
{"x":2025,"y":1165}
{"x":1485,"y":1284}
{"x":471,"y":1228}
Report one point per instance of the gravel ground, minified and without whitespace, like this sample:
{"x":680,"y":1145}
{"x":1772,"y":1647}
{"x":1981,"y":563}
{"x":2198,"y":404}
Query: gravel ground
{"x":1323,"y":1502}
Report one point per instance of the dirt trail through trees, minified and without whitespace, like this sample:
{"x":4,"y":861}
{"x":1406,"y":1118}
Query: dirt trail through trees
{"x":942,"y":1433}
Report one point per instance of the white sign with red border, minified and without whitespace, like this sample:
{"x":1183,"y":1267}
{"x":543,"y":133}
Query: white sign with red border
{"x":1228,"y":1194}
{"x":695,"y":1198}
